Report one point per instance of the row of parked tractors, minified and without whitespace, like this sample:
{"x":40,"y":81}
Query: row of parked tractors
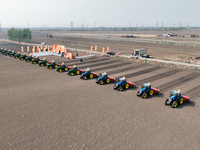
{"x":146,"y":90}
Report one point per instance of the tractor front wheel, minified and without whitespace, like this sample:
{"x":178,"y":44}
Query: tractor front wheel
{"x":59,"y":70}
{"x":174,"y":104}
{"x":138,"y":93}
{"x":101,"y":82}
{"x":84,"y":77}
{"x":50,"y":67}
{"x":71,"y":74}
{"x":27,"y":60}
{"x":120,"y":88}
{"x":144,"y":95}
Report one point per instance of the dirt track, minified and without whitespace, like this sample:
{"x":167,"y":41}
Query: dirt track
{"x":44,"y":109}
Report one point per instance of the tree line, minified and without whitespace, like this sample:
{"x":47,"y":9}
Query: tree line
{"x":19,"y":35}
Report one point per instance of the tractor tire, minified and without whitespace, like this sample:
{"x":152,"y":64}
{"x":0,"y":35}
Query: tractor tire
{"x":66,"y":69}
{"x":11,"y":55}
{"x":174,"y":104}
{"x":108,"y":80}
{"x":59,"y":70}
{"x":151,"y":92}
{"x":21,"y":59}
{"x":47,"y":64}
{"x":32,"y":59}
{"x":50,"y":67}
{"x":127,"y":86}
{"x":166,"y":101}
{"x":39,"y":61}
{"x":56,"y":66}
{"x":16,"y":57}
{"x":120,"y":88}
{"x":91,"y":76}
{"x":84,"y":77}
{"x":101,"y":82}
{"x":138,"y":93}
{"x":71,"y":74}
{"x":77,"y":72}
{"x":41,"y":65}
{"x":144,"y":95}
{"x":34,"y":62}
{"x":27,"y":60}
{"x":181,"y":101}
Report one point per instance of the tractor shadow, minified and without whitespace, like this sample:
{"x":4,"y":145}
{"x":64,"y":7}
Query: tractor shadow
{"x":191,"y":104}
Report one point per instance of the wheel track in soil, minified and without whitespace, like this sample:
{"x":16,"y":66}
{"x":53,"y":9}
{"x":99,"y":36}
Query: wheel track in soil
{"x":112,"y":66}
{"x":141,"y":72}
{"x":193,"y":93}
{"x":98,"y":64}
{"x":85,"y":62}
{"x":77,"y":60}
{"x":125,"y":69}
{"x":178,"y":82}
{"x":158,"y":76}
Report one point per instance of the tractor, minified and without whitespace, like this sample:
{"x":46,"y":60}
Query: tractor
{"x":36,"y":60}
{"x":3,"y":52}
{"x":29,"y":58}
{"x":16,"y":56}
{"x":53,"y":65}
{"x":22,"y":57}
{"x":63,"y":68}
{"x":177,"y":99}
{"x":123,"y":84}
{"x":12,"y":54}
{"x":88,"y":75}
{"x":7,"y":53}
{"x":74,"y":70}
{"x":104,"y":78}
{"x":44,"y":62}
{"x":147,"y":90}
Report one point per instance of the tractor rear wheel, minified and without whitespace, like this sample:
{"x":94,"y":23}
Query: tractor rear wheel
{"x":56,"y":66}
{"x":181,"y":101}
{"x":151,"y":92}
{"x":144,"y":95}
{"x":77,"y":72}
{"x":101,"y":82}
{"x":66,"y":69}
{"x":108,"y":80}
{"x":91,"y":76}
{"x":126,"y":86}
{"x":174,"y":104}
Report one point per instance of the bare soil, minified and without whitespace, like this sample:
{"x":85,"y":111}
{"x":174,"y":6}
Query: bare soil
{"x":44,"y":109}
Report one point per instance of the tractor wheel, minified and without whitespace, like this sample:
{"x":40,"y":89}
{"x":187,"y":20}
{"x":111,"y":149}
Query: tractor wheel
{"x":39,"y":61}
{"x":151,"y":93}
{"x":59,"y":70}
{"x":11,"y":55}
{"x":66,"y":69}
{"x":84,"y":77}
{"x":47,"y":63}
{"x":120,"y":88}
{"x":181,"y":101}
{"x":32,"y":59}
{"x":34,"y":62}
{"x":91,"y":76}
{"x":27,"y":60}
{"x":108,"y":80}
{"x":71,"y":74}
{"x":144,"y":95}
{"x":56,"y":66}
{"x":101,"y":82}
{"x":174,"y":104}
{"x":6,"y":54}
{"x":16,"y":57}
{"x":138,"y":93}
{"x":41,"y":65}
{"x":126,"y":86}
{"x":21,"y":59}
{"x":166,"y":101}
{"x":77,"y":72}
{"x":50,"y":67}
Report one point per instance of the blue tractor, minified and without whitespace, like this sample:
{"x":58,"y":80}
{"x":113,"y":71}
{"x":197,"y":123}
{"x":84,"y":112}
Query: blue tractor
{"x":123,"y":84}
{"x":177,"y":99}
{"x":88,"y":74}
{"x":147,"y":90}
{"x":104,"y":78}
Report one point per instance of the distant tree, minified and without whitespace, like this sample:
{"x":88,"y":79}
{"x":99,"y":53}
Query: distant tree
{"x":19,"y":35}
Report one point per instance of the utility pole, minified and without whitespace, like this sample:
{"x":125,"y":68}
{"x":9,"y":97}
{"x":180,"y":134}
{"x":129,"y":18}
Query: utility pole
{"x":72,"y":25}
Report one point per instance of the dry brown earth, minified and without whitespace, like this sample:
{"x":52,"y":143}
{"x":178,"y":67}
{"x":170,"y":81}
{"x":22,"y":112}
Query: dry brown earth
{"x":44,"y":109}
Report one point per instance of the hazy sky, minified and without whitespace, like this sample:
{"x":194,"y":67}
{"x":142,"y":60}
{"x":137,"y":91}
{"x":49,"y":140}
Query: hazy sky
{"x":115,"y":13}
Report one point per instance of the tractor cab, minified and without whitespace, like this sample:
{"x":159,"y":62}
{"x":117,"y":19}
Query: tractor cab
{"x":87,"y":71}
{"x":175,"y":93}
{"x":122,"y":81}
{"x":146,"y":86}
{"x":74,"y":67}
{"x":104,"y":75}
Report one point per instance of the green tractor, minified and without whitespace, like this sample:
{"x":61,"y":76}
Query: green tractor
{"x":29,"y":58}
{"x":53,"y":65}
{"x":44,"y":62}
{"x":74,"y":70}
{"x":12,"y":54}
{"x":22,"y":57}
{"x":63,"y":68}
{"x":36,"y":60}
{"x":16,"y":56}
{"x":8,"y":52}
{"x":3,"y":52}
